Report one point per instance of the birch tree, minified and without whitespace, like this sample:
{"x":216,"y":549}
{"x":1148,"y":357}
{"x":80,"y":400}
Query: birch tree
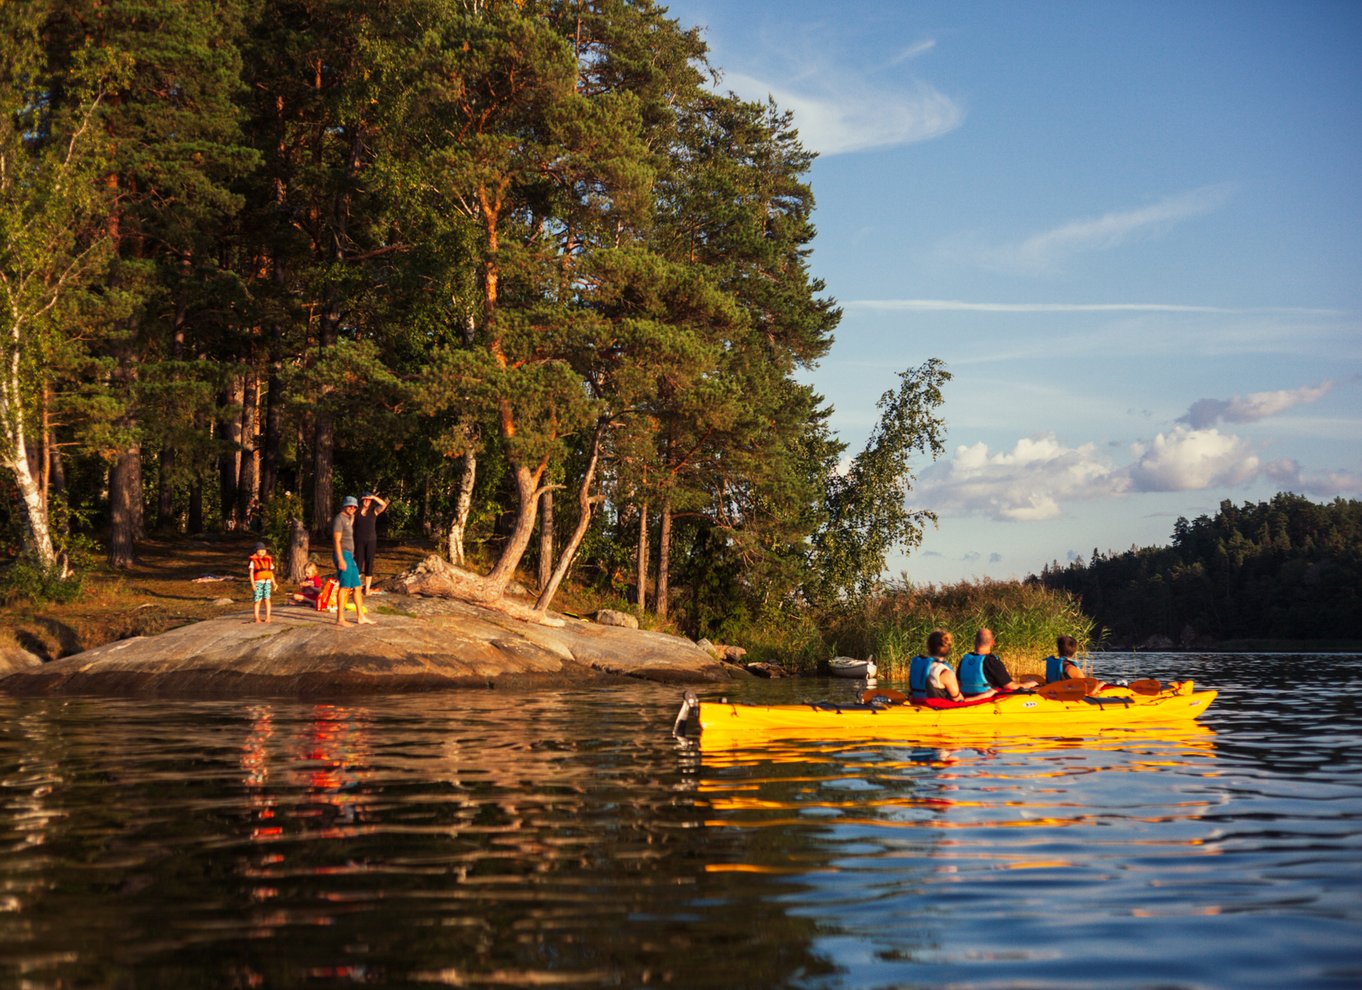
{"x":51,"y":243}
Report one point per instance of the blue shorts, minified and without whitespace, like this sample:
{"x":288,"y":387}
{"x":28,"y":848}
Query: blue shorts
{"x":348,"y":578}
{"x":260,"y":590}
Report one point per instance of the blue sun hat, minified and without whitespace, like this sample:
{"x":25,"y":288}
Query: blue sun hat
{"x":350,"y":500}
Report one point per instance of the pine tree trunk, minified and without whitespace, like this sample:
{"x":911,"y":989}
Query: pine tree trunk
{"x":545,"y":539}
{"x":643,"y":556}
{"x":299,"y":546}
{"x":229,"y":461}
{"x":584,"y":503}
{"x":527,"y":504}
{"x":136,"y":499}
{"x":195,"y":522}
{"x":123,"y":518}
{"x":273,"y":438}
{"x":458,"y":525}
{"x":323,"y":438}
{"x":165,"y":490}
{"x":664,"y":557}
{"x":248,"y":479}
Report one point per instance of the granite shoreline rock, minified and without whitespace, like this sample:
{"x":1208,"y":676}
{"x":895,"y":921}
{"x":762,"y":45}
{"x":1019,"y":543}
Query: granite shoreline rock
{"x":436,"y":644}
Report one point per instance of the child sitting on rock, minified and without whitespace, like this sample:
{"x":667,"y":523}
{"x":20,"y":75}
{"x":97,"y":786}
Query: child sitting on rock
{"x":310,"y":588}
{"x":262,"y":579}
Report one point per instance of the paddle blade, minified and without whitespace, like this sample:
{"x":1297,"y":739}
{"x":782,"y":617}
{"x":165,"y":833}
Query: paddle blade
{"x":1147,"y":685}
{"x":1073,"y":689}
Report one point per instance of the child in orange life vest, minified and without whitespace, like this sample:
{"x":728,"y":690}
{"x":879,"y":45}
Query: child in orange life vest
{"x":262,"y":579}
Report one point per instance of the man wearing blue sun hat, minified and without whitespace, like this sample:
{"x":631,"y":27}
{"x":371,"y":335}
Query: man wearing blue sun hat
{"x":347,"y":572}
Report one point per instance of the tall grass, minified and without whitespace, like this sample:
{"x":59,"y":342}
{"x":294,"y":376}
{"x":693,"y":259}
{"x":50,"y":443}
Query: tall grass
{"x":1025,"y":619}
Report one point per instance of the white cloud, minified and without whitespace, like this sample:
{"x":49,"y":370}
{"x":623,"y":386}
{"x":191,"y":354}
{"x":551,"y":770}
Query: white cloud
{"x":1024,"y":484}
{"x":1050,"y":250}
{"x":1325,"y":484}
{"x":1251,"y":407}
{"x":1190,"y":460}
{"x":1032,"y":481}
{"x":838,"y":112}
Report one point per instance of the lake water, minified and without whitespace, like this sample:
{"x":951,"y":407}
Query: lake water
{"x":563,"y":839}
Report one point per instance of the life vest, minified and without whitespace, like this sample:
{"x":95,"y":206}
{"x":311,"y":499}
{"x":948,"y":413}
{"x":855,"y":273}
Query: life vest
{"x":919,"y":679}
{"x":971,"y":675}
{"x":1054,"y":668}
{"x":264,"y":567}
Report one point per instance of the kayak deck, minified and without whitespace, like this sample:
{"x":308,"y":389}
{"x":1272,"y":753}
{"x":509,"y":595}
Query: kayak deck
{"x":722,"y":722}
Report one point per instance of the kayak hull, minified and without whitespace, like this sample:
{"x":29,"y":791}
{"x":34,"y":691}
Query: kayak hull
{"x":740,"y":724}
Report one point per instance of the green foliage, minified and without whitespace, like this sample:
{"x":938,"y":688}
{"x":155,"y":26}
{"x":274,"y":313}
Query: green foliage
{"x":276,"y":522}
{"x":867,"y":507}
{"x":27,"y":579}
{"x":1285,"y":569}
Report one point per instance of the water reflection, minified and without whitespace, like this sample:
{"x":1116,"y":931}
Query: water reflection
{"x":562,"y":838}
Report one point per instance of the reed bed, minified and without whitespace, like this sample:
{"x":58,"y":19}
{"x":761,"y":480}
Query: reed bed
{"x":1025,"y":619}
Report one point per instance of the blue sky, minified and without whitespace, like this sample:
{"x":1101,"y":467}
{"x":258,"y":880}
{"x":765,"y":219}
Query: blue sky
{"x":1133,"y":232}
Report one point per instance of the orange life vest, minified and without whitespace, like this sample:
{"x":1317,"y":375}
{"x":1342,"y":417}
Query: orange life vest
{"x":264,"y":567}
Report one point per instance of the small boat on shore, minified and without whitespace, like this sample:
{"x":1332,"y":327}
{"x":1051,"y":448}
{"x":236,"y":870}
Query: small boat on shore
{"x":889,"y":716}
{"x":851,"y":667}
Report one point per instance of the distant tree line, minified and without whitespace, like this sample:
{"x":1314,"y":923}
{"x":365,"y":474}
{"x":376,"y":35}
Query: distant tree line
{"x":509,"y":261}
{"x":1287,"y":569}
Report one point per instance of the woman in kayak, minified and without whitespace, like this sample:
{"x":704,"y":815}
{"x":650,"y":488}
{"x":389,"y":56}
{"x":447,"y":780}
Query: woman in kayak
{"x":1062,"y":666}
{"x":930,"y":676}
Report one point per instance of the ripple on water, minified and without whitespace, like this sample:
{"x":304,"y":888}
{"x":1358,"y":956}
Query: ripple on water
{"x":562,"y":838}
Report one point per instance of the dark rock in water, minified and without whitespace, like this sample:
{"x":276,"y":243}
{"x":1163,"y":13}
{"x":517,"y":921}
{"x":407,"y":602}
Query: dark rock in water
{"x":770,"y":670}
{"x":302,"y":653}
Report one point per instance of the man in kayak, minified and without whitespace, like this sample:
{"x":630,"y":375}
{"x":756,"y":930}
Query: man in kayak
{"x":983,"y":674}
{"x":930,"y":676}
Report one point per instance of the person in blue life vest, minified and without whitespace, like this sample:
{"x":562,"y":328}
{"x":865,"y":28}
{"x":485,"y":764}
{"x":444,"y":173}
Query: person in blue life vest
{"x":983,"y":674}
{"x":1062,"y":665}
{"x":930,"y":676}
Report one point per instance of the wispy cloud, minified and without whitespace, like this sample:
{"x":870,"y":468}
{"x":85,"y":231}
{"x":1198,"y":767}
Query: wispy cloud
{"x":964,"y":306}
{"x":913,"y":51}
{"x":839,"y":111}
{"x":1251,"y":407}
{"x":1051,"y":250}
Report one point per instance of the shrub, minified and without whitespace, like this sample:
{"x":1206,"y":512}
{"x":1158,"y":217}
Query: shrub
{"x":28,"y":580}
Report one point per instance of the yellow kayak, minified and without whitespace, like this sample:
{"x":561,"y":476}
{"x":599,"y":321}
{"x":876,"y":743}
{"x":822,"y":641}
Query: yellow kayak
{"x":723,"y":723}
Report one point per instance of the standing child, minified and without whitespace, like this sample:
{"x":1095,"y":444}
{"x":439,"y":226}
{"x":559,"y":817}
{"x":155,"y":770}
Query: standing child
{"x":262,"y":579}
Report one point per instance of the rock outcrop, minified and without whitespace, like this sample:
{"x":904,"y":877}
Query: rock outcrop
{"x":302,"y":653}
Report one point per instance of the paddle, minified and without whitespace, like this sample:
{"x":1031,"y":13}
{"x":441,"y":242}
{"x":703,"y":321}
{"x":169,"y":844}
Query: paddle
{"x":895,"y":697}
{"x":1073,"y":689}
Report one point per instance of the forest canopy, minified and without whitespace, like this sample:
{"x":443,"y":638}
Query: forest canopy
{"x":1286,"y":569}
{"x":515,"y":263}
